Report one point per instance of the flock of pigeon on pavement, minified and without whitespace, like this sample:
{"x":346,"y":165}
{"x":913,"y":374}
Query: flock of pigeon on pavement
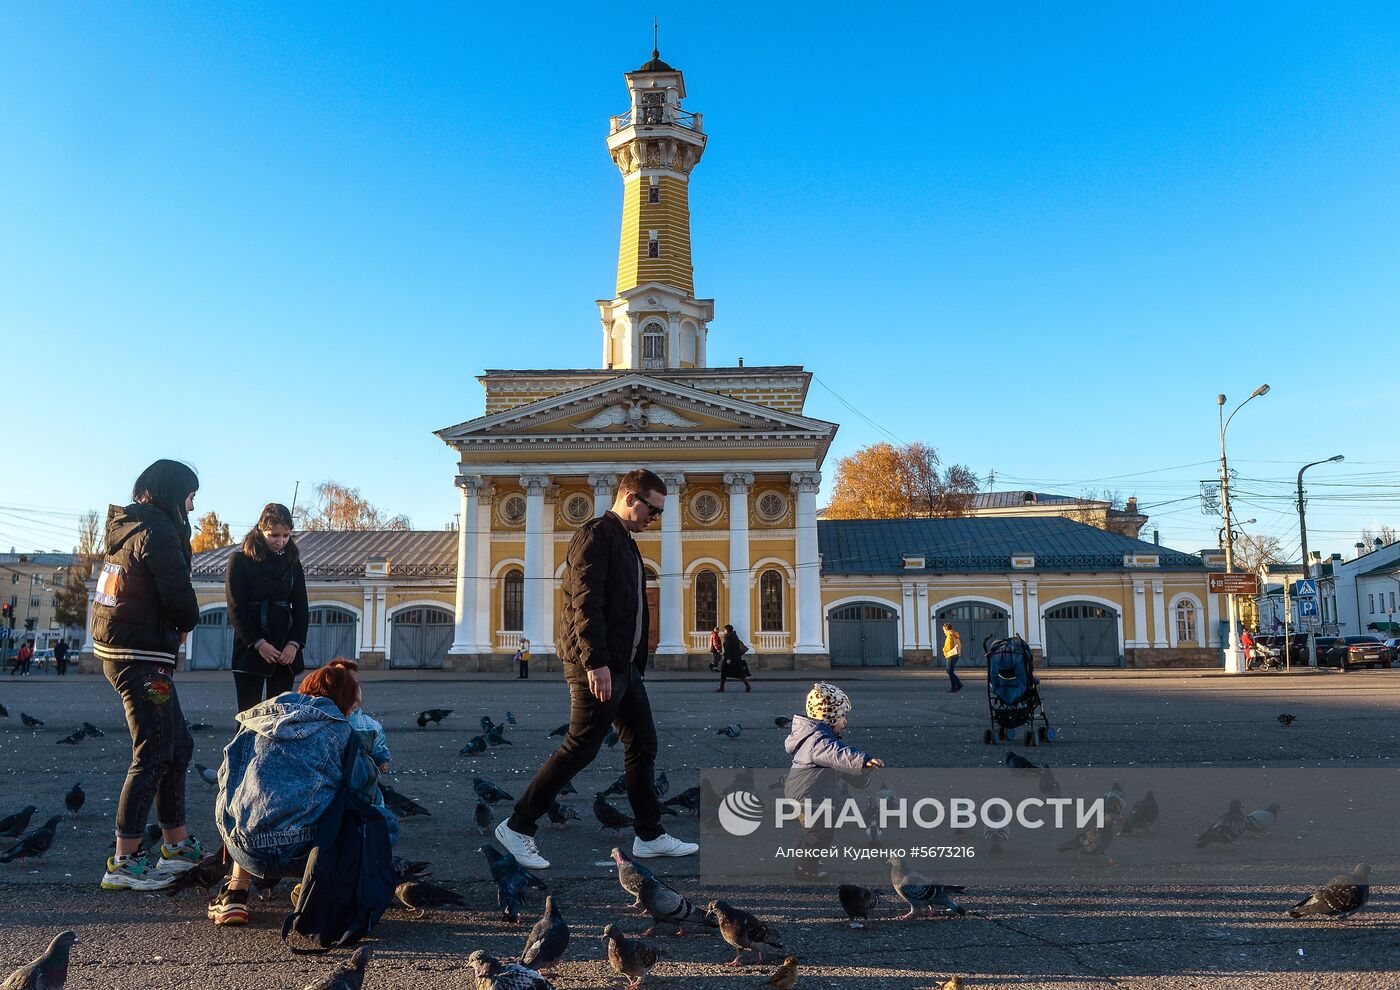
{"x":669,"y":909}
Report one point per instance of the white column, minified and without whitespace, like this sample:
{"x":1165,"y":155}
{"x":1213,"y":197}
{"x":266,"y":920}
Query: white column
{"x":1139,"y":615}
{"x":921,"y":604}
{"x":1212,"y":619}
{"x":367,"y":620}
{"x":604,"y":492}
{"x":536,"y":532}
{"x":1159,"y":618}
{"x":464,"y":637}
{"x":381,"y":620}
{"x":740,"y":587}
{"x":809,"y":570}
{"x":1018,"y":608}
{"x":1033,"y":624}
{"x":481,"y":533}
{"x":672,"y":639}
{"x":545,"y":644}
{"x":908,"y":620}
{"x":673,"y":345}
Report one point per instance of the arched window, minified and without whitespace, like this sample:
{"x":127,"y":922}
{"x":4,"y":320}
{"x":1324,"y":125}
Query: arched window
{"x":1185,"y":622}
{"x":653,"y":346}
{"x":770,"y":601}
{"x":706,"y":600}
{"x":513,"y":601}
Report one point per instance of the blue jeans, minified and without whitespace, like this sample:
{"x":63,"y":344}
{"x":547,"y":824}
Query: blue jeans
{"x":954,"y":680}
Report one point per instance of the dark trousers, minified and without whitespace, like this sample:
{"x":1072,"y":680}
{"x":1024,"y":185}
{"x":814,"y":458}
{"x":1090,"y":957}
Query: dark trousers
{"x":629,"y":711}
{"x":953,"y":679}
{"x":524,"y":674}
{"x":254,"y":688}
{"x":161,"y":747}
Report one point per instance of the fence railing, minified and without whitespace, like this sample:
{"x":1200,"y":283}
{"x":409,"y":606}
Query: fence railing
{"x":770,"y":642}
{"x":655,"y":116}
{"x":700,"y":642}
{"x":508,"y":640}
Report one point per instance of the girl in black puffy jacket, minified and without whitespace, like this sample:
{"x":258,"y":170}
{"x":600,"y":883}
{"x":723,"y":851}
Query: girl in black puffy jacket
{"x":266,"y":590}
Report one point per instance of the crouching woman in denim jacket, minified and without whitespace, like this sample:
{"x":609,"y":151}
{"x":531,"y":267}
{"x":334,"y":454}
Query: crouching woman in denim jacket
{"x":278,"y":777}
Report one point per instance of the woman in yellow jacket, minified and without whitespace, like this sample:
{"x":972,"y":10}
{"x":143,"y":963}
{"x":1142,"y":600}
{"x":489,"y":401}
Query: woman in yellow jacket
{"x":952,"y":653}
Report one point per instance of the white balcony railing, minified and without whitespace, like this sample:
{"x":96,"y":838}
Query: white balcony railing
{"x":700,"y":642}
{"x":508,"y":639}
{"x":770,"y":642}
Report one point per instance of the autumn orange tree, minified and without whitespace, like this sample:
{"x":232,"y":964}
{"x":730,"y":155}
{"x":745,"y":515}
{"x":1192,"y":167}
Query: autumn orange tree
{"x":883,"y":481}
{"x":340,"y":507}
{"x":212,"y":533}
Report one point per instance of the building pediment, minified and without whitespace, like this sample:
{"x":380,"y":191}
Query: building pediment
{"x":636,"y":407}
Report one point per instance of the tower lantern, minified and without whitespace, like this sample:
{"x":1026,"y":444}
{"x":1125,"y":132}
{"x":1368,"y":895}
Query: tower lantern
{"x":655,"y":321}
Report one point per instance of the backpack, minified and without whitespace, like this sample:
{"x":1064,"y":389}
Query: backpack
{"x":349,"y":878}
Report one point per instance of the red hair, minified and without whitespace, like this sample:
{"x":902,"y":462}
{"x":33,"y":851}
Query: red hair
{"x":336,"y":681}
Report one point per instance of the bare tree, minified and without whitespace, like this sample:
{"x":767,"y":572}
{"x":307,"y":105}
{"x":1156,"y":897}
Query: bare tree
{"x":1386,"y":534}
{"x":1252,"y":551}
{"x":340,"y":507}
{"x":70,"y":609}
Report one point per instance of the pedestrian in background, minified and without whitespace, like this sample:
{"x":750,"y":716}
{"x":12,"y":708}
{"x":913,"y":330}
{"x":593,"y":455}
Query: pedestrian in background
{"x":716,"y":649}
{"x":23,"y":656}
{"x":952,"y":653}
{"x":266,"y":591}
{"x":144,"y":608}
{"x":60,"y":657}
{"x":733,"y":664}
{"x":522,"y":659}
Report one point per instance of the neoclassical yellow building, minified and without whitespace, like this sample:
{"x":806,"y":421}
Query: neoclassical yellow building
{"x":740,"y":541}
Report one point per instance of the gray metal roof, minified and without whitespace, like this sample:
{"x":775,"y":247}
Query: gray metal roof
{"x":343,"y":554}
{"x":1020,"y":499}
{"x":37,"y":559}
{"x":877,"y":546}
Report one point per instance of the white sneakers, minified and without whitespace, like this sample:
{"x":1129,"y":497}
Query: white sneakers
{"x":522,"y":847}
{"x":662,"y":845}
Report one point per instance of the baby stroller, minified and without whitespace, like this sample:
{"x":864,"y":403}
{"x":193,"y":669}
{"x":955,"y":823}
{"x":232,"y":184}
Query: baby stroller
{"x":1264,"y":658}
{"x":1013,"y":693}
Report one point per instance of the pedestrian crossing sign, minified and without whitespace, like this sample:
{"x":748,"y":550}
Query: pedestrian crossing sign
{"x":1306,"y":588}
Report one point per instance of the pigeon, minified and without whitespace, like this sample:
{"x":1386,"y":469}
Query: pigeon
{"x":952,"y":983}
{"x":486,"y":724}
{"x":13,"y":826}
{"x":731,"y":730}
{"x":857,"y":902}
{"x":562,"y":730}
{"x":198,"y":726}
{"x":36,"y":843}
{"x":496,"y":736}
{"x":49,"y":971}
{"x":667,"y":906}
{"x":30,"y":721}
{"x":401,"y":804}
{"x":1016,"y":761}
{"x":488,"y":791}
{"x":661,"y":785}
{"x":742,"y":930}
{"x":484,"y":817}
{"x":1286,"y":719}
{"x":208,"y":873}
{"x":407,"y":869}
{"x":687,"y":800}
{"x":630,"y":958}
{"x":631,"y":875}
{"x":1261,"y":821}
{"x":74,"y":799}
{"x":783,"y":721}
{"x":920,"y":893}
{"x":1049,"y":786}
{"x":210,"y":777}
{"x":419,"y":895}
{"x":618,"y":786}
{"x":610,"y":740}
{"x":779,"y":786}
{"x":434,"y":715}
{"x":785,"y":976}
{"x":492,"y":974}
{"x":568,"y":789}
{"x":510,"y":717}
{"x":996,"y":839}
{"x":1339,"y":897}
{"x":475,"y":746}
{"x":1227,"y":828}
{"x":512,"y":881}
{"x":151,"y":838}
{"x":561,"y":814}
{"x":73,"y":738}
{"x":349,"y":975}
{"x":548,"y":939}
{"x":1141,"y":815}
{"x":608,"y":816}
{"x":4,"y":712}
{"x":1093,"y":841}
{"x":707,"y":804}
{"x":1114,"y":800}
{"x":93,"y":730}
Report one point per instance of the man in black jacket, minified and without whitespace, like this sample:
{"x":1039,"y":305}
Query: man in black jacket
{"x":602,"y":642}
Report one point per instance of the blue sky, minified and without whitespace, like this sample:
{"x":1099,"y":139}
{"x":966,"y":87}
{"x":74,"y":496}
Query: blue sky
{"x":279,"y":241}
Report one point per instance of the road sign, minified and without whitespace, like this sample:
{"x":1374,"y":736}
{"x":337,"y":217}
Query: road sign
{"x":1306,"y":588}
{"x":1233,"y":584}
{"x":1307,"y":607}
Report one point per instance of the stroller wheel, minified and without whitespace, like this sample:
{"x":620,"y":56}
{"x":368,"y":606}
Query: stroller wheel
{"x":1049,"y":734}
{"x":987,"y":737}
{"x":1030,"y":738}
{"x":1044,"y":733}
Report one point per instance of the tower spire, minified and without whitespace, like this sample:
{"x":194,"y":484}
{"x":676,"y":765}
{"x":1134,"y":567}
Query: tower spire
{"x":655,"y":38}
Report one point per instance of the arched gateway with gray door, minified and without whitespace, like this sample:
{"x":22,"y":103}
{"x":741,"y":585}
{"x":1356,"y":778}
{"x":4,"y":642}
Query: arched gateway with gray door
{"x":1082,"y":634}
{"x":420,"y":637}
{"x":330,"y":633}
{"x":975,"y":622}
{"x":864,"y":634}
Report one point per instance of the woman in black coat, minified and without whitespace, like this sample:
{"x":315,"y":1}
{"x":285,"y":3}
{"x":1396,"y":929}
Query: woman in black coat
{"x":734,"y":664}
{"x":266,"y":590}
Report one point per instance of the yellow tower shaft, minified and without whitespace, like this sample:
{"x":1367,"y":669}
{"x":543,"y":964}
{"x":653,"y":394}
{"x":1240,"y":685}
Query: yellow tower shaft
{"x":661,"y":219}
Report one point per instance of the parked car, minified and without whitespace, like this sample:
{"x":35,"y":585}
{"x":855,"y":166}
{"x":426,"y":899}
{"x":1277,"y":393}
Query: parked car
{"x":1358,"y":651}
{"x":1297,"y":647}
{"x":1392,"y":647}
{"x":1321,"y":644}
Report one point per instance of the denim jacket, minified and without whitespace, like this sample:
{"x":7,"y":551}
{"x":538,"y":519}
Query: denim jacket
{"x":371,"y":733}
{"x":280,"y":773}
{"x":822,"y":765}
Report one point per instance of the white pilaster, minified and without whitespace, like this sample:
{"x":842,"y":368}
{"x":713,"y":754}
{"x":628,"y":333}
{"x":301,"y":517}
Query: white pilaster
{"x":1159,"y":617}
{"x":1018,"y":608}
{"x":673,"y":344}
{"x":381,"y":619}
{"x":464,"y":637}
{"x":367,"y":618}
{"x":672,"y":631}
{"x":1033,"y":623}
{"x":809,"y":576}
{"x":922,"y":615}
{"x":740,"y":587}
{"x":604,"y":492}
{"x":1212,"y":620}
{"x":545,"y":644}
{"x":536,"y":533}
{"x":481,"y":533}
{"x":1139,"y":615}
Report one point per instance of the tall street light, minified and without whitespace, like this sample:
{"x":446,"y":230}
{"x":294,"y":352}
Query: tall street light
{"x":1234,"y":662}
{"x":1303,"y":534}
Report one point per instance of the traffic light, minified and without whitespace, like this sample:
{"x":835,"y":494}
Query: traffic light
{"x":7,"y":613}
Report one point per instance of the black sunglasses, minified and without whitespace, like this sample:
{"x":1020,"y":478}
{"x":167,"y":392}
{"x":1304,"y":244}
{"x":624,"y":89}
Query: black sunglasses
{"x":651,"y":508}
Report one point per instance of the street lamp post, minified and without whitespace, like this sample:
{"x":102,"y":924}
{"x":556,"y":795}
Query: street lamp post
{"x":1234,"y":662}
{"x":1303,"y":541}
